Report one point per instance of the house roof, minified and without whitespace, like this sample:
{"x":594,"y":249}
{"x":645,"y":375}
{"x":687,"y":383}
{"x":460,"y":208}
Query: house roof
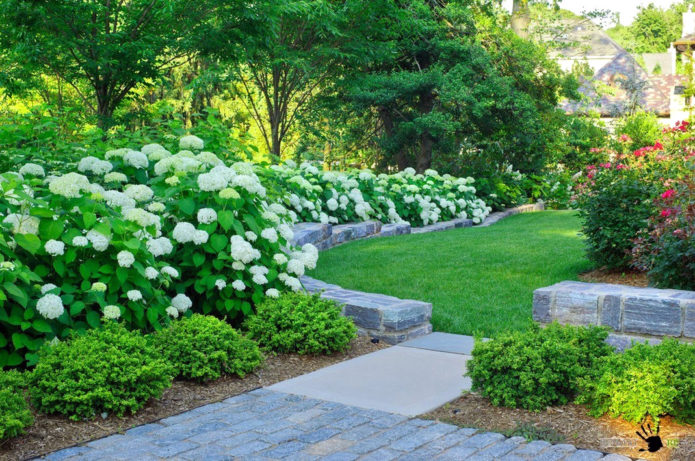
{"x":654,"y":90}
{"x":583,"y":38}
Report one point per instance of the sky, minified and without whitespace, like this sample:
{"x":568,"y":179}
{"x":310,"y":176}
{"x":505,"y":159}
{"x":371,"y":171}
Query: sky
{"x":626,"y":8}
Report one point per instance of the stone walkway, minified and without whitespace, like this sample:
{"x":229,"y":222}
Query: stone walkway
{"x":267,"y":425}
{"x":336,"y":413}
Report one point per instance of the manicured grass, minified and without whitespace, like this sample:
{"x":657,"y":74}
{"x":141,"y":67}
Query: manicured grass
{"x":479,"y":280}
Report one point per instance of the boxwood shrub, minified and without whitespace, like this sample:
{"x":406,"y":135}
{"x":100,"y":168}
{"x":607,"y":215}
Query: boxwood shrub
{"x":110,"y":370}
{"x":536,"y":368}
{"x":301,"y":323}
{"x":644,"y":380}
{"x":203,"y":348}
{"x":14,"y":409}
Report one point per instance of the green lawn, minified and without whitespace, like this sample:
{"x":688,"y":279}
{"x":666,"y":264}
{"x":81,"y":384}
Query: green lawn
{"x":479,"y":280}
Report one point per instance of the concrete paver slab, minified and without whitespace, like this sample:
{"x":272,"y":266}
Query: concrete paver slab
{"x":443,"y":342}
{"x":402,"y":380}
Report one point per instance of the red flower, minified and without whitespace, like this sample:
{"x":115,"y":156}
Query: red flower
{"x":658,"y":146}
{"x":605,"y":165}
{"x":591,"y":167}
{"x":668,"y":194}
{"x":666,"y":212}
{"x":620,"y":166}
{"x":625,"y":138}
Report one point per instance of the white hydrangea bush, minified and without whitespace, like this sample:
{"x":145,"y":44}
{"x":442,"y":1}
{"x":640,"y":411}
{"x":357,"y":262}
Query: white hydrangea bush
{"x":360,"y":195}
{"x":81,"y":256}
{"x":147,"y":238}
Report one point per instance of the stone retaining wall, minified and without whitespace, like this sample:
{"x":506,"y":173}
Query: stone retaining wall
{"x":390,"y":319}
{"x":631,"y":312}
{"x":325,"y":236}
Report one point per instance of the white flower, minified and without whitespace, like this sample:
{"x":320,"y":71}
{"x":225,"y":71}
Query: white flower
{"x":170,"y":271}
{"x":184,"y":232}
{"x":136,"y":159}
{"x":112,"y":312}
{"x":116,"y":199}
{"x":181,"y":302}
{"x":211,"y":182}
{"x":99,"y":241}
{"x":32,"y":169}
{"x":208,"y":158}
{"x":295,"y":266}
{"x":229,"y":193}
{"x":250,"y":236}
{"x":332,"y":204}
{"x":207,"y":216}
{"x":151,"y":273}
{"x":272,"y":293}
{"x":172,"y":312}
{"x":125,"y":258}
{"x":160,"y":246}
{"x":172,"y":180}
{"x":7,"y":266}
{"x":242,"y":250}
{"x":116,"y":153}
{"x":200,"y":237}
{"x":69,"y":185}
{"x":139,"y":192}
{"x":23,"y":224}
{"x":280,"y":258}
{"x":309,"y":256}
{"x":47,"y":287}
{"x":238,"y":285}
{"x":50,"y":306}
{"x":99,"y":286}
{"x":286,"y":232}
{"x":293,"y":283}
{"x":54,"y":247}
{"x":270,"y":234}
{"x":115,"y":177}
{"x":156,"y":207}
{"x":143,"y":218}
{"x":134,"y":295}
{"x":191,"y":142}
{"x":220,"y":284}
{"x":238,"y":266}
{"x":151,"y":148}
{"x":94,"y":165}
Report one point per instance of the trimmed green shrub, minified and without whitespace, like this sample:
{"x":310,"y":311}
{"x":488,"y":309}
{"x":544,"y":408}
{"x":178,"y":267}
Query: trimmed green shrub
{"x":108,"y":370}
{"x":644,"y":380}
{"x":305,"y":324}
{"x":203,"y":348}
{"x":14,"y":409}
{"x":536,"y":368}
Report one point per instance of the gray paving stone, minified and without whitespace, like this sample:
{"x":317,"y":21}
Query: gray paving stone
{"x":207,"y":453}
{"x":172,"y":449}
{"x":284,"y":449}
{"x":480,"y":441}
{"x":615,"y":457}
{"x":383,"y":454}
{"x":318,"y":435}
{"x":456,"y":453}
{"x":443,"y":342}
{"x":66,"y":453}
{"x":340,"y":456}
{"x":585,"y":455}
{"x":241,"y":439}
{"x":532,"y":448}
{"x":247,"y":448}
{"x":421,"y":437}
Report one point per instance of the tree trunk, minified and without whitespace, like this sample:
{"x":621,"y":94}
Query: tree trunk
{"x":387,"y":121}
{"x":424,"y":158}
{"x":520,"y":18}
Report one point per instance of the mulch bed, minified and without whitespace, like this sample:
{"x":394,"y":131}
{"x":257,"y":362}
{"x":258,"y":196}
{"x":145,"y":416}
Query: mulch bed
{"x":570,"y":424}
{"x":632,"y":278}
{"x":50,"y":433}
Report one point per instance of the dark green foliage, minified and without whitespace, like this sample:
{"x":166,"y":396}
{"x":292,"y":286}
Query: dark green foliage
{"x":613,"y":213}
{"x":644,"y":380}
{"x":108,"y":370}
{"x":643,"y":129}
{"x":537,"y":368}
{"x":14,"y":409}
{"x":203,"y":348}
{"x":305,"y":324}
